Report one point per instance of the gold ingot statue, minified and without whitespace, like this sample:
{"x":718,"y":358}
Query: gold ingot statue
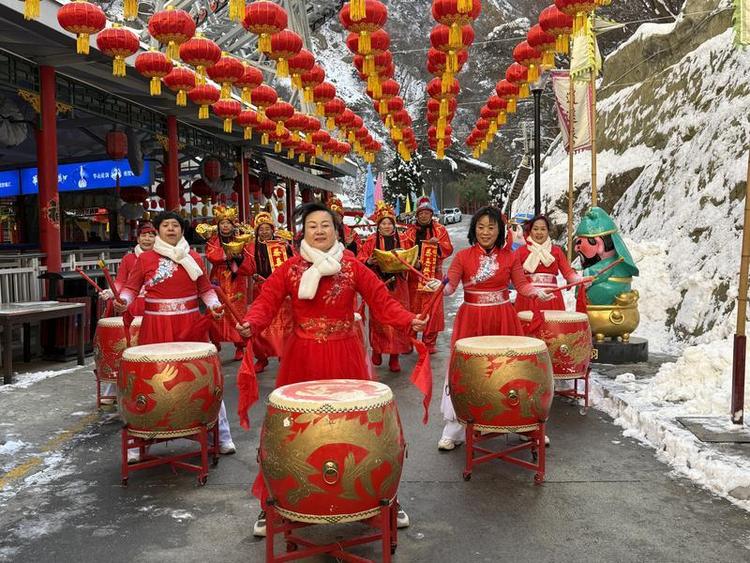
{"x":617,"y":320}
{"x":206,"y":231}
{"x":388,"y":263}
{"x":233,"y":248}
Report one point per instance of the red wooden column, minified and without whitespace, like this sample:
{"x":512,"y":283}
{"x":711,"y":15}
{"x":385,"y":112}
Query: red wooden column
{"x":46,"y":154}
{"x":244,"y":203}
{"x":290,"y":198}
{"x":172,"y":170}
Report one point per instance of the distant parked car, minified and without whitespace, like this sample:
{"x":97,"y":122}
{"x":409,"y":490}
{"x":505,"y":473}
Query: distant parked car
{"x":451,"y":215}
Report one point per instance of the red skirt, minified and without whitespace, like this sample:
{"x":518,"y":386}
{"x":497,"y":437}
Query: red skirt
{"x":386,"y":339}
{"x":493,"y":320}
{"x":533,"y":304}
{"x":189,"y":327}
{"x":270,"y":343}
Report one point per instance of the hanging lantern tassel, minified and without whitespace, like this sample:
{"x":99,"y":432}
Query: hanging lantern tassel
{"x":182,"y":98}
{"x":330,"y":123}
{"x":173,"y":51}
{"x":308,"y":96}
{"x":227,"y":125}
{"x":264,"y":43}
{"x":118,"y":66}
{"x":203,"y":112}
{"x":261,"y":112}
{"x":264,"y":139}
{"x":441,"y":128}
{"x":247,"y":96}
{"x":451,"y":63}
{"x":445,"y":82}
{"x":464,"y":6}
{"x":364,"y":46}
{"x":351,"y":138}
{"x":357,"y":10}
{"x":533,"y":75}
{"x":382,"y":107}
{"x":441,"y":149}
{"x":523,"y":90}
{"x":579,"y":22}
{"x":368,"y":67}
{"x":318,"y":150}
{"x":290,"y":154}
{"x":455,"y":39}
{"x":282,"y":68}
{"x":502,"y":118}
{"x":248,"y":133}
{"x":312,"y":161}
{"x":236,"y":10}
{"x":562,"y":43}
{"x":511,"y":105}
{"x":279,"y":127}
{"x":548,"y":59}
{"x":200,"y":75}
{"x":389,"y":121}
{"x":226,"y":90}
{"x":82,"y":43}
{"x":156,"y":86}
{"x":443,"y":112}
{"x":277,"y":147}
{"x":373,"y":82}
{"x":320,"y":109}
{"x":297,"y":81}
{"x":130,"y":9}
{"x":31,"y":9}
{"x":398,"y":135}
{"x":475,"y":152}
{"x":301,"y":158}
{"x":493,"y":129}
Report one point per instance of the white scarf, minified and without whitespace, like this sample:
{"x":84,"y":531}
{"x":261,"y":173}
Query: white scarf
{"x":138,"y":250}
{"x":538,"y":253}
{"x":180,"y":254}
{"x":323,"y":264}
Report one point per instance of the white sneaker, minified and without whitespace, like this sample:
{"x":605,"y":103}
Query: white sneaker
{"x":259,"y":528}
{"x":525,"y":438}
{"x":134,"y":456}
{"x":446,"y":444}
{"x":227,"y":448}
{"x":107,"y":401}
{"x":402,"y":519}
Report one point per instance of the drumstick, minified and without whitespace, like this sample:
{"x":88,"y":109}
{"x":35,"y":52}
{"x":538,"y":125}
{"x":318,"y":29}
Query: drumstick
{"x":227,"y":304}
{"x":589,"y":278}
{"x":88,"y":279}
{"x":411,"y":268}
{"x":433,"y":298}
{"x":110,"y":282}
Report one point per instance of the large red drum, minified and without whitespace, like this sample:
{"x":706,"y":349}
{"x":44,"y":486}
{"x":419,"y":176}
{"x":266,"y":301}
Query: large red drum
{"x":501,"y":383}
{"x":331,"y":451}
{"x":110,"y":343}
{"x":169,"y":390}
{"x":568,"y":338}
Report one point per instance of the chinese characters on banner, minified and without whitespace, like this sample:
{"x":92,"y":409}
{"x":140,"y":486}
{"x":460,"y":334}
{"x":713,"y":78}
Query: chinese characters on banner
{"x":582,"y":114}
{"x":276,"y":253}
{"x":428,"y":257}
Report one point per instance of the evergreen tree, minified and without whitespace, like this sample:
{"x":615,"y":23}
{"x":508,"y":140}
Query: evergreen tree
{"x":498,"y":188}
{"x":404,"y":178}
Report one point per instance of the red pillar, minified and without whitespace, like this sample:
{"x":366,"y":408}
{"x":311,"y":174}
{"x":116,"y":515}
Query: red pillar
{"x":172,"y":170}
{"x":245,"y":193}
{"x":46,"y":154}
{"x":290,"y":197}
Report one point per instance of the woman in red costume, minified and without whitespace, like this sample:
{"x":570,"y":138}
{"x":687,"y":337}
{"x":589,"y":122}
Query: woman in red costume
{"x":427,"y":229}
{"x":173,"y":279}
{"x":386,"y":339}
{"x":542,"y":261}
{"x":485,"y":269}
{"x":230,"y":269}
{"x":269,"y":254}
{"x":323,"y":282}
{"x":347,"y":235}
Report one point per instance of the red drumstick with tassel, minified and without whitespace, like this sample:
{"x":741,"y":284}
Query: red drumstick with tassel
{"x":411,"y":268}
{"x":127,"y":319}
{"x":91,"y":282}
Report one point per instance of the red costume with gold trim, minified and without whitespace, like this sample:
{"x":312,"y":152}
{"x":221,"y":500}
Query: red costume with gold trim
{"x":545,"y":277}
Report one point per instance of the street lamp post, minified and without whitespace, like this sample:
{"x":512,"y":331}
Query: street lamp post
{"x":536,"y":90}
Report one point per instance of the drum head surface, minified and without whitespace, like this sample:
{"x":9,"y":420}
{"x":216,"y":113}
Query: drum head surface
{"x":556,"y":316}
{"x":500,"y":345}
{"x":169,"y":351}
{"x":331,"y":395}
{"x":117,"y":321}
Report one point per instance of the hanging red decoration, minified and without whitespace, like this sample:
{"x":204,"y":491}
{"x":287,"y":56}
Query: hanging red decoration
{"x":447,"y":12}
{"x":309,"y":80}
{"x":578,"y":10}
{"x":279,"y":113}
{"x":133,"y":194}
{"x":84,"y":19}
{"x":544,"y":42}
{"x":248,"y":120}
{"x":529,"y":57}
{"x":343,"y":121}
{"x":202,"y":53}
{"x":228,"y":110}
{"x":380,"y":41}
{"x":118,"y":43}
{"x":249,"y":81}
{"x":443,"y":91}
{"x":322,"y":94}
{"x":204,"y":96}
{"x":331,"y":110}
{"x":388,"y":89}
{"x":226,"y":72}
{"x":172,"y":28}
{"x":117,"y":144}
{"x":279,"y":193}
{"x":236,"y":10}
{"x":180,"y":80}
{"x":31,"y":9}
{"x":440,"y":39}
{"x":264,"y":19}
{"x":155,"y":65}
{"x":373,"y":18}
{"x":498,"y":105}
{"x":278,"y":138}
{"x":296,"y":124}
{"x":281,"y":218}
{"x":265,"y":127}
{"x":299,"y":64}
{"x":319,"y":139}
{"x":437,"y":61}
{"x":200,"y":189}
{"x":284,"y":45}
{"x":519,"y":75}
{"x":508,"y":92}
{"x":559,"y":24}
{"x":264,"y":96}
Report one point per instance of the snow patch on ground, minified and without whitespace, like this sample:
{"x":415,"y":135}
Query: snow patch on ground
{"x":25,"y":380}
{"x":11,"y":447}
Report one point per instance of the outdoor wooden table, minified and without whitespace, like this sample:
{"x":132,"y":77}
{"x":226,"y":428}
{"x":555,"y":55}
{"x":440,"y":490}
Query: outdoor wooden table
{"x":26,"y":313}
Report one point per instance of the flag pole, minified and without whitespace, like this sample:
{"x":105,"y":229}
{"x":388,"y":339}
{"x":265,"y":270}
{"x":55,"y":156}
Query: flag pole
{"x":571,"y":145}
{"x":594,"y":198}
{"x":738,"y":355}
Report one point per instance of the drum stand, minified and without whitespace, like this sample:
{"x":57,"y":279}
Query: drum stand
{"x":384,"y":522}
{"x":535,"y":444}
{"x":207,"y":437}
{"x":574,"y":394}
{"x":99,"y":396}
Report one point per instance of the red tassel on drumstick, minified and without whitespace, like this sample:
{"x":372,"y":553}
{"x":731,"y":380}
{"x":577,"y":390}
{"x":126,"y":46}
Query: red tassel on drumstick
{"x":127,"y":318}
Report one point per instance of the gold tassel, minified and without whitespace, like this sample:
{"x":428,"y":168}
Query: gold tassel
{"x":264,"y":43}
{"x":483,"y":145}
{"x":200,"y":75}
{"x":465,"y":6}
{"x":182,"y":98}
{"x":173,"y":51}
{"x":282,"y":68}
{"x":301,"y":157}
{"x":533,"y":75}
{"x":31,"y":9}
{"x":297,"y":81}
{"x":451,"y":62}
{"x":330,"y":123}
{"x":493,"y":128}
{"x":318,"y":150}
{"x":236,"y":10}
{"x":372,"y":82}
{"x":364,"y":46}
{"x":397,"y":134}
{"x":383,"y":107}
{"x":226,"y":90}
{"x":441,"y":149}
{"x":295,"y":136}
{"x":357,"y":10}
{"x":203,"y":112}
{"x":261,"y":112}
{"x":441,"y":124}
{"x":264,"y":139}
{"x":502,"y":118}
{"x":312,"y":161}
{"x":389,"y":121}
{"x":443,"y":108}
{"x":377,"y":92}
{"x":279,"y":127}
{"x":247,"y":96}
{"x":523,"y":90}
{"x":308,"y":96}
{"x":156,"y":86}
{"x":562,"y":44}
{"x":511,"y":105}
{"x":290,"y":154}
{"x":248,"y":133}
{"x":130,"y":9}
{"x":579,"y":22}
{"x":277,"y":147}
{"x":445,"y":82}
{"x":475,"y":152}
{"x":455,"y":37}
{"x":82,"y":44}
{"x":548,"y":59}
{"x":357,"y":147}
{"x":320,"y":109}
{"x":342,"y":134}
{"x":118,"y":66}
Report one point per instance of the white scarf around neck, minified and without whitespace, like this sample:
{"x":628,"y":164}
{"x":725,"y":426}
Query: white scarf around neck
{"x":538,"y":253}
{"x":323,"y":264}
{"x":138,"y":250}
{"x":180,"y":254}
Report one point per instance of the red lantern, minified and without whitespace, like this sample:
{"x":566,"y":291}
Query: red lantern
{"x":264,"y":19}
{"x":544,"y":42}
{"x":284,"y":45}
{"x":117,"y":145}
{"x":380,"y":41}
{"x":443,"y":91}
{"x":440,"y":39}
{"x":183,"y":201}
{"x":133,"y":194}
{"x":266,"y":127}
{"x":332,"y":109}
{"x":194,"y":200}
{"x":248,"y":120}
{"x":559,"y":24}
{"x":320,"y":139}
{"x":322,"y":94}
{"x":281,"y":218}
{"x":172,"y":28}
{"x":279,"y":113}
{"x":310,"y":79}
{"x":312,"y":126}
{"x":264,"y":96}
{"x":202,"y":53}
{"x":200,"y":189}
{"x":343,"y":120}
{"x":180,"y":80}
{"x":296,"y":124}
{"x":204,"y":95}
{"x":250,"y":80}
{"x":437,"y":61}
{"x":529,"y":57}
{"x":267,"y":188}
{"x":299,"y":64}
{"x":519,"y":75}
{"x":374,"y":16}
{"x":278,"y":138}
{"x":83,"y":19}
{"x":279,"y":193}
{"x":154,"y":65}
{"x":118,"y":43}
{"x":211,"y":171}
{"x":578,"y":10}
{"x":226,"y":72}
{"x":448,"y":12}
{"x":228,"y":110}
{"x":498,"y":105}
{"x":508,"y":92}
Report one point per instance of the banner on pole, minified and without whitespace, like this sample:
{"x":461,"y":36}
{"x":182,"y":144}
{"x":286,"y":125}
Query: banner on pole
{"x":742,"y":22}
{"x":584,"y":56}
{"x":582,"y":115}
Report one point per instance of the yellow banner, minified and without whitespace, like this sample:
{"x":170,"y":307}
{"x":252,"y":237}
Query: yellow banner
{"x":742,"y":22}
{"x":428,"y":258}
{"x":276,"y":253}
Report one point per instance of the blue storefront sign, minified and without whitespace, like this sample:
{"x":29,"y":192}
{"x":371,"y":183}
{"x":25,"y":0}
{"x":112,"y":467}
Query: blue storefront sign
{"x":10,"y":183}
{"x":100,"y":174}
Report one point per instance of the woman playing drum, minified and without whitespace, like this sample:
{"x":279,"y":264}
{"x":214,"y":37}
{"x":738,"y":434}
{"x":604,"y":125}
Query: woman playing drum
{"x":323,"y":283}
{"x":485,"y":269}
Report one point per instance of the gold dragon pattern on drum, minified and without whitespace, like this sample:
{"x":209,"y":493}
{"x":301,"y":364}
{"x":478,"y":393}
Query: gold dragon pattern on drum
{"x":573,"y":345}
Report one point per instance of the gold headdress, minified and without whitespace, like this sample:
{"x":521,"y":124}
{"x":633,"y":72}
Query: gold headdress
{"x":336,"y":206}
{"x":222,"y":213}
{"x":263,"y":218}
{"x":383,"y":211}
